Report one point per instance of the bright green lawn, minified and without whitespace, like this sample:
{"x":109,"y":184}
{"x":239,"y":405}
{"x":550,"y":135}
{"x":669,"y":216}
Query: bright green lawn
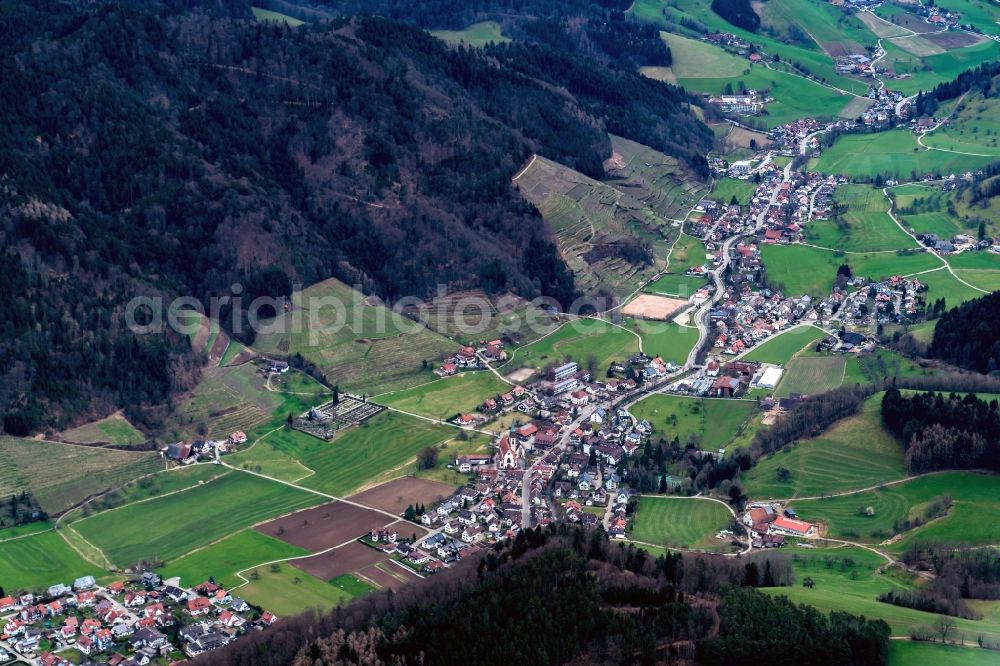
{"x":726,"y":188}
{"x":352,"y":459}
{"x":893,"y":153}
{"x":223,"y":559}
{"x":170,"y":526}
{"x":713,"y":422}
{"x":674,"y":284}
{"x":845,"y":579}
{"x":799,"y":269}
{"x":39,"y":561}
{"x":863,"y":224}
{"x":942,"y":284}
{"x":579,"y":340}
{"x":688,"y":252}
{"x":855,"y":452}
{"x":971,"y":519}
{"x":289,"y":591}
{"x":975,"y":129}
{"x":780,"y":349}
{"x":352,"y":585}
{"x":911,"y":653}
{"x":681,"y":522}
{"x":668,"y":340}
{"x":693,"y":58}
{"x":447,"y":397}
{"x":812,"y":375}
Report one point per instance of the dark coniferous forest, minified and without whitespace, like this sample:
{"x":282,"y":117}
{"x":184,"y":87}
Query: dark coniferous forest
{"x":206,"y":149}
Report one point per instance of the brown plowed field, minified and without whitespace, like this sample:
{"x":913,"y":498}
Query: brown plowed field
{"x":325,"y":526}
{"x":393,"y":496}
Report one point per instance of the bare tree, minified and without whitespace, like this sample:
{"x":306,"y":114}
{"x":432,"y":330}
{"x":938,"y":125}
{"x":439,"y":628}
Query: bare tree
{"x":944,"y":626}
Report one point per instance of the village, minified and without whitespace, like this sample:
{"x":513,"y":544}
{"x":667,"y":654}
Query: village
{"x":123,"y":623}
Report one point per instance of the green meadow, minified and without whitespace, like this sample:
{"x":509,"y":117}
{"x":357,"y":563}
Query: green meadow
{"x":173,"y":525}
{"x":222,"y":560}
{"x":894,"y":154}
{"x":38,"y":561}
{"x":970,"y":521}
{"x":681,"y":522}
{"x":863,"y":224}
{"x":354,"y":458}
{"x":800,"y":269}
{"x":855,"y":452}
{"x":779,"y":349}
{"x":446,"y":397}
{"x":849,"y":579}
{"x":712,"y":422}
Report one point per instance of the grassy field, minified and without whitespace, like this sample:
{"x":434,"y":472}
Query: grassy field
{"x":834,"y":31}
{"x":893,"y":153}
{"x":171,"y":526}
{"x":925,"y":72}
{"x":863,"y":225}
{"x":275,"y":17}
{"x":855,"y":452}
{"x":695,"y":59}
{"x":114,"y":429}
{"x":974,"y":129}
{"x":668,"y":340}
{"x":800,"y":269}
{"x":726,"y":188}
{"x":289,"y":591}
{"x":711,"y":422}
{"x":580,"y":340}
{"x":905,"y":653}
{"x":976,"y":500}
{"x":352,"y":459}
{"x":941,"y":284}
{"x":445,"y":398}
{"x":471,"y":317}
{"x":38,"y":561}
{"x":811,"y":375}
{"x":222,"y":560}
{"x":477,"y":34}
{"x":358,"y":346}
{"x":927,"y":208}
{"x":674,"y":284}
{"x":847,"y":579}
{"x":780,"y":349}
{"x":60,"y":475}
{"x":688,"y":252}
{"x":794,"y":96}
{"x":681,"y":522}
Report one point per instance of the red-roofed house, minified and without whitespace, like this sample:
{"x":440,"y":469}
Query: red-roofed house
{"x":792,"y":526}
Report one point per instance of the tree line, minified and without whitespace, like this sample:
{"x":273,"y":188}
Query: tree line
{"x":967,"y":336}
{"x":944,"y":432}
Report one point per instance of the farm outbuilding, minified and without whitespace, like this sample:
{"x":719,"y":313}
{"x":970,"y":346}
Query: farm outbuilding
{"x":770,"y":378}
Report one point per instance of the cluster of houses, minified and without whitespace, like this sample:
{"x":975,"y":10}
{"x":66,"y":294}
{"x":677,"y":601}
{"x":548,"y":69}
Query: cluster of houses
{"x":768,"y":525}
{"x":129,"y":623}
{"x":471,"y":358}
{"x":191,"y":451}
{"x":957,"y":243}
{"x":896,"y":298}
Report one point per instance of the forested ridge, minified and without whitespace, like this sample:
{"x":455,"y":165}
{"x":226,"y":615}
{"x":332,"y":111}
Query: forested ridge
{"x":172,"y":149}
{"x":597,"y":28}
